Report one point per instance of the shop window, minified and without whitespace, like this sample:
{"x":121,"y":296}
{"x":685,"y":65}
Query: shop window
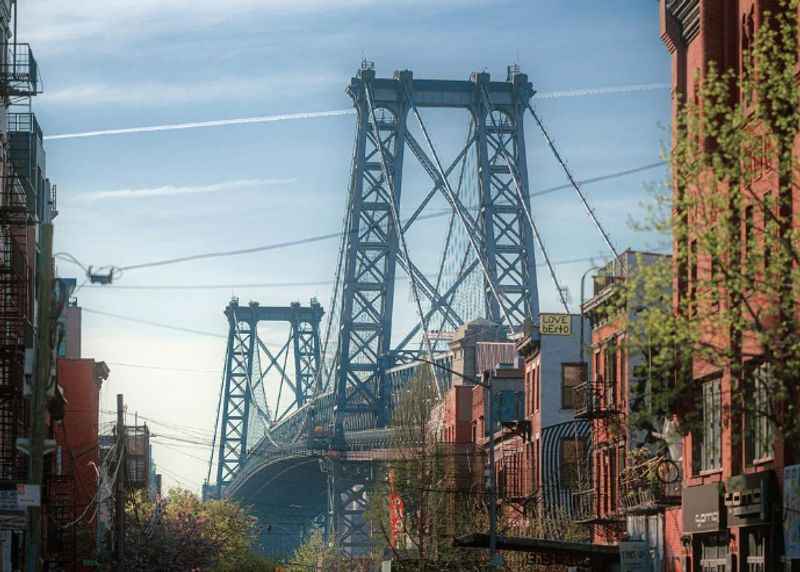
{"x":756,"y":550}
{"x":712,"y":553}
{"x":708,"y":444}
{"x":760,"y":429}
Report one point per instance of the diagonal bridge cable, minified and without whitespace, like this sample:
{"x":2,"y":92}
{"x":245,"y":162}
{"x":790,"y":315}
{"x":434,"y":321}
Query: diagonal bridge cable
{"x":574,"y":183}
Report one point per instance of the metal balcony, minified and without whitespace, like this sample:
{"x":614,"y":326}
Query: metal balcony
{"x":17,"y":201}
{"x":26,"y":152}
{"x":649,"y":486}
{"x":592,"y":402}
{"x":19,"y":72}
{"x":588,"y":508}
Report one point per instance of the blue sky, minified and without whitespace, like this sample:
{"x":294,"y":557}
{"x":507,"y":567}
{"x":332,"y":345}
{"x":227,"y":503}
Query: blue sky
{"x":117,"y":63}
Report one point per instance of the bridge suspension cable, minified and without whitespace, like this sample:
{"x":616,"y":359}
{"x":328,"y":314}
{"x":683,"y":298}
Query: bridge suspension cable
{"x":573,"y":182}
{"x":457,"y":207}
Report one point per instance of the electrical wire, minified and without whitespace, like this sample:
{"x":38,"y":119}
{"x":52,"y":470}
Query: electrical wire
{"x":161,"y":368}
{"x":168,"y":287}
{"x":150,"y":323}
{"x":323,"y":237}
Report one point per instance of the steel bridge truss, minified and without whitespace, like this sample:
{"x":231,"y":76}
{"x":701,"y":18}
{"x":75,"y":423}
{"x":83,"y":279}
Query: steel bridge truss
{"x":253,"y":370}
{"x":501,"y":237}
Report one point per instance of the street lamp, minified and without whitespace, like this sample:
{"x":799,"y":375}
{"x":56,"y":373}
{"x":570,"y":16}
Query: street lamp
{"x":495,"y":561}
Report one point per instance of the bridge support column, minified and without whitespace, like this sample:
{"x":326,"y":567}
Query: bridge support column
{"x":348,"y":497}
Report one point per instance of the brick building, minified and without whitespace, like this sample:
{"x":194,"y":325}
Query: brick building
{"x":556,"y":454}
{"x":732,"y":485}
{"x":73,"y":472}
{"x":624,"y":499}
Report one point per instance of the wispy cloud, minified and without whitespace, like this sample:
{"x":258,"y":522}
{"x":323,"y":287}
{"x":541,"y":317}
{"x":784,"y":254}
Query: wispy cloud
{"x":53,"y":23}
{"x":172,"y":190}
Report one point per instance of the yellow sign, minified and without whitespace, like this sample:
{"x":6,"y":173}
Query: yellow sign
{"x":555,"y":324}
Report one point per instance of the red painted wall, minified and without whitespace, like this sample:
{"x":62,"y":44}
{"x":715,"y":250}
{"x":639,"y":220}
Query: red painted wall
{"x":77,"y":436}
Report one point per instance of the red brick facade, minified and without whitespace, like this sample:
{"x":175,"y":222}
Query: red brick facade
{"x":697,"y":33}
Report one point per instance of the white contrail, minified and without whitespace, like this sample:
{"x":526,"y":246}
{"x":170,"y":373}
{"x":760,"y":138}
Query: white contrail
{"x":335,"y":113}
{"x":169,"y":190}
{"x":198,"y":124}
{"x":602,"y":90}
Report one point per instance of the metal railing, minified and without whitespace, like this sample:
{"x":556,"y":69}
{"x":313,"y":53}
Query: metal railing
{"x":17,"y":201}
{"x":19,"y":71}
{"x":592,"y":402}
{"x":24,"y":123}
{"x":584,"y":505}
{"x":650,"y":485}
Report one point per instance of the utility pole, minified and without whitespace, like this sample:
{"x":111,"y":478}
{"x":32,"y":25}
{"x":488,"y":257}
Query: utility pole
{"x":494,"y":560}
{"x":40,"y":384}
{"x":120,"y":482}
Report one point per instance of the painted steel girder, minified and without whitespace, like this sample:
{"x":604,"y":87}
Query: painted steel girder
{"x":372,"y":243}
{"x":348,"y":486}
{"x":506,"y":237}
{"x":370,"y":258}
{"x":243,"y":343}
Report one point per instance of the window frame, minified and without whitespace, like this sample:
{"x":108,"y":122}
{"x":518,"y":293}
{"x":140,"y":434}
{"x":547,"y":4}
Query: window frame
{"x":572,"y":388}
{"x":759,"y":429}
{"x":711,"y":426}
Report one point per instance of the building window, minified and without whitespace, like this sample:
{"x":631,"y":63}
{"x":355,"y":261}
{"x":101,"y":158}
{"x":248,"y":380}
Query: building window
{"x":693,"y":278}
{"x":760,"y":429}
{"x":572,"y":375}
{"x":573,"y":451}
{"x":610,"y":359}
{"x":711,"y":437}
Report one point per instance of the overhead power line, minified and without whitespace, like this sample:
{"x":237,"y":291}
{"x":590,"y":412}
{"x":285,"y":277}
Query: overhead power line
{"x":630,"y":88}
{"x":336,"y":235}
{"x":168,"y":287}
{"x":160,"y":368}
{"x":167,"y":326}
{"x":154,"y":324}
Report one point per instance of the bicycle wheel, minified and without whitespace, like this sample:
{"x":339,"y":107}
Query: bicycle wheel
{"x":668,"y":471}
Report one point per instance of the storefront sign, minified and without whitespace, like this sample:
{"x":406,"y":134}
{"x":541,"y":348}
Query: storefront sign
{"x":29,"y":495}
{"x":634,"y":556}
{"x":791,"y":511}
{"x":555,"y":324}
{"x":747,"y":499}
{"x":702,"y":509}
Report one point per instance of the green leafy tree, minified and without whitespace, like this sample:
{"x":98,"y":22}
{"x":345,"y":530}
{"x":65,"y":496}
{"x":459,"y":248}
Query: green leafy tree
{"x":730,"y":215}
